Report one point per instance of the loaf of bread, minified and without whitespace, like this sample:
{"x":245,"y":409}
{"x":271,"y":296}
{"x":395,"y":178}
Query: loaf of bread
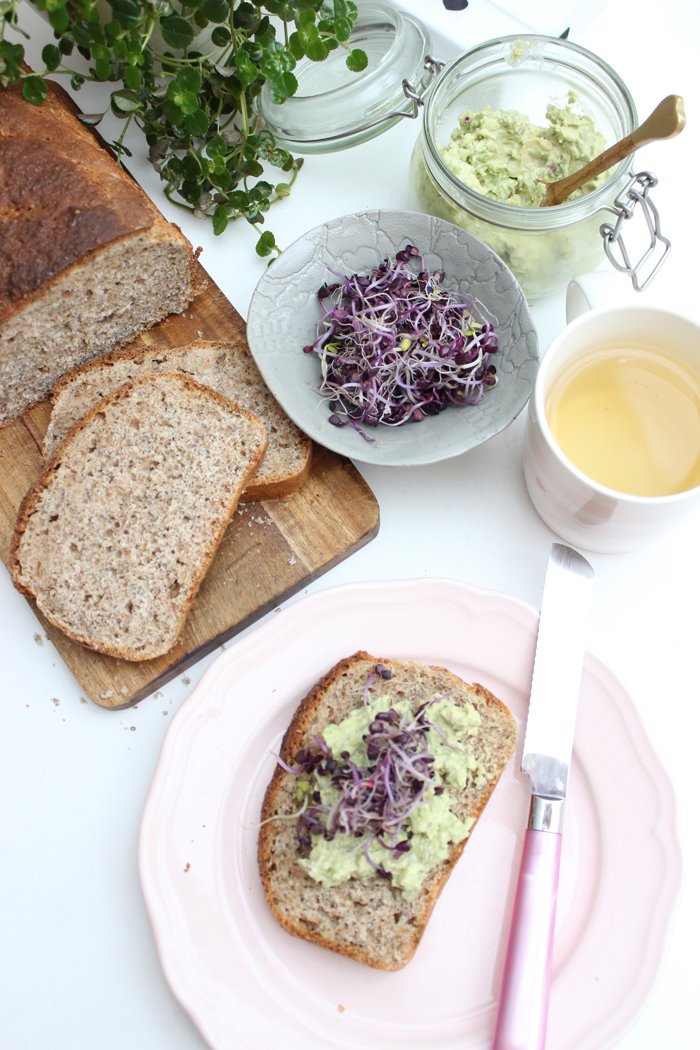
{"x":228,"y":368}
{"x":116,"y":536}
{"x":87,"y":262}
{"x":368,"y":917}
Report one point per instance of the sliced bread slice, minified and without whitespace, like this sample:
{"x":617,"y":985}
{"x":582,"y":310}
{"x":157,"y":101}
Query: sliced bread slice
{"x":115,"y":538}
{"x":226,"y":367}
{"x":368,"y":918}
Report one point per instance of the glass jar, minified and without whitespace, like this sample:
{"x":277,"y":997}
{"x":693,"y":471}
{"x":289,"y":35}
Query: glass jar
{"x":335,"y":108}
{"x":544,"y":247}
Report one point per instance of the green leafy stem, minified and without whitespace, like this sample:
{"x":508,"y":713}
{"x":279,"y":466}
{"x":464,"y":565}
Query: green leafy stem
{"x":189,"y":74}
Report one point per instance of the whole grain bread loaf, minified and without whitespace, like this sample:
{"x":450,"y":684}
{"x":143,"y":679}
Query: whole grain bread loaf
{"x":115,"y":538}
{"x":368,"y":919}
{"x":87,"y":262}
{"x":226,"y":367}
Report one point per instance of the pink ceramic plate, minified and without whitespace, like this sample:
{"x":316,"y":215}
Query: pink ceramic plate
{"x":247,"y":984}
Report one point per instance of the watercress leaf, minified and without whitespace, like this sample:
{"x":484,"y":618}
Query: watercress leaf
{"x":186,"y":101}
{"x":191,"y":190}
{"x":314,"y":47}
{"x":125,"y":101}
{"x":262,"y":141}
{"x":246,"y":69}
{"x":214,"y":10}
{"x":66,"y":45}
{"x":221,"y":36}
{"x":281,"y":158}
{"x":177,"y":32}
{"x":216,"y":146}
{"x":265,"y":33}
{"x":34,"y":90}
{"x":59,"y":20}
{"x":305,"y":18}
{"x":246,"y":18}
{"x":197,"y":123}
{"x":125,"y":10}
{"x":251,"y":167}
{"x":171,"y":112}
{"x":189,"y":79}
{"x":82,"y":36}
{"x":282,"y":87}
{"x":220,"y":220}
{"x":356,"y":60}
{"x":132,"y":77}
{"x":11,"y":59}
{"x":342,"y":28}
{"x":266,"y":244}
{"x":51,"y":57}
{"x":102,"y":69}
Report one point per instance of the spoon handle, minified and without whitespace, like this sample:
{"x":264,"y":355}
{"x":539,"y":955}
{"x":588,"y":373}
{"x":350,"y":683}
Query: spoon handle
{"x":667,"y":120}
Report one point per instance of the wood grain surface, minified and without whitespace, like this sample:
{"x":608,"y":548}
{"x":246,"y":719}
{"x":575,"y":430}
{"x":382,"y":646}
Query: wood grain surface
{"x":271,"y":549}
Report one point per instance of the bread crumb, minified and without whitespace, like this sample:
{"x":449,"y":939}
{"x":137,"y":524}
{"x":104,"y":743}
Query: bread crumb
{"x":84,"y":700}
{"x":292,"y":561}
{"x":186,"y":680}
{"x":55,"y":701}
{"x":165,"y":711}
{"x":38,"y":639}
{"x":341,"y":1008}
{"x":106,"y":694}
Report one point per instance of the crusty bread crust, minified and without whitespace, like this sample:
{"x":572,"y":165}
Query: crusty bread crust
{"x":236,"y":376}
{"x":64,"y":196}
{"x":369,"y":921}
{"x":226,"y":489}
{"x":87,"y":261}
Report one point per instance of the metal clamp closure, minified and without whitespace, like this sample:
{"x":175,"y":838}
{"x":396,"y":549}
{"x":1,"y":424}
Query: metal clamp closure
{"x":416,"y":93}
{"x":635,"y":194}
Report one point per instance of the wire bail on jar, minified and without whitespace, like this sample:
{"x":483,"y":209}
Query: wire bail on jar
{"x":416,"y":95}
{"x":635,"y":193}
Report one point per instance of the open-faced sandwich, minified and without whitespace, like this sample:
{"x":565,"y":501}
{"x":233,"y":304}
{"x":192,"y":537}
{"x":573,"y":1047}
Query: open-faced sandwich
{"x":383,"y":773}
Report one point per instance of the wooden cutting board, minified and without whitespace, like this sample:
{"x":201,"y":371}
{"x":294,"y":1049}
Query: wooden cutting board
{"x":271,"y":549}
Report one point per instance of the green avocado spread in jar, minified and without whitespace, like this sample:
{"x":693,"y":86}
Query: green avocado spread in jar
{"x":378,"y":793}
{"x":503,"y":155}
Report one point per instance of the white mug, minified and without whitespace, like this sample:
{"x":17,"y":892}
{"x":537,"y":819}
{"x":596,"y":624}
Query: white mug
{"x":580,"y":510}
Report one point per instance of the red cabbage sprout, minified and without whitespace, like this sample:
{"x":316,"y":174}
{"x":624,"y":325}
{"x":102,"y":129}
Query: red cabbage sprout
{"x":372,"y":802}
{"x":395,"y":346}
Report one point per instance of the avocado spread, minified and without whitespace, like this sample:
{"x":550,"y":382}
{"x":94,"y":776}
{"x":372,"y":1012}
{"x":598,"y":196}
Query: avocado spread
{"x":501,"y":154}
{"x":404,"y":850}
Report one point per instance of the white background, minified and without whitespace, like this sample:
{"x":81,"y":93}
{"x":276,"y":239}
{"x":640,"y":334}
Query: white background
{"x":78,"y":967}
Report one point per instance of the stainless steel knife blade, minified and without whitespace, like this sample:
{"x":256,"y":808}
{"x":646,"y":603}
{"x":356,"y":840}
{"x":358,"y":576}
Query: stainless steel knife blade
{"x":556,"y":678}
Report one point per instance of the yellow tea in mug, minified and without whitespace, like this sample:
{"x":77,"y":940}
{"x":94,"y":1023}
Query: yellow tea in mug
{"x":629,"y":418}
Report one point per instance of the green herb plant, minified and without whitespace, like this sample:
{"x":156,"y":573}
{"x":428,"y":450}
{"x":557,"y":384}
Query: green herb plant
{"x":194,"y":101}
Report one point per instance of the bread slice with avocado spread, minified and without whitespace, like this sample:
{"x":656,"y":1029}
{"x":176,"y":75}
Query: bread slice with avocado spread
{"x":383,"y":773}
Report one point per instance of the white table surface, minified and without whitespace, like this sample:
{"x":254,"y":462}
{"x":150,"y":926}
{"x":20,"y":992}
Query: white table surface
{"x":78,"y":966}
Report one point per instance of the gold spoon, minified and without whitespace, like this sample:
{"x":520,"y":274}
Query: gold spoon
{"x":667,"y":120}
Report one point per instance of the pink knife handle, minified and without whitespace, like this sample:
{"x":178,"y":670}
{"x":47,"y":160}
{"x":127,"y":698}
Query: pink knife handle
{"x":522,"y":1015}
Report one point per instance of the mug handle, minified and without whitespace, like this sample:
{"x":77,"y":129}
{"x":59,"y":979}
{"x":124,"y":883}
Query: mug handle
{"x":600,"y":288}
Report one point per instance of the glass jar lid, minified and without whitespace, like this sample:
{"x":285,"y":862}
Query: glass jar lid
{"x":335,"y":108}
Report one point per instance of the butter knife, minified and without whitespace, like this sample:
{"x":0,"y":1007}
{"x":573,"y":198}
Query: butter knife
{"x":549,"y":735}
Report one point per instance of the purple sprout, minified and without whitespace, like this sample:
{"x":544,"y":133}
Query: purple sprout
{"x":374,"y":801}
{"x":395,"y":346}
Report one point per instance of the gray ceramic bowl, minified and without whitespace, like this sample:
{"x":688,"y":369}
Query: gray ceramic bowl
{"x":284,"y":312}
